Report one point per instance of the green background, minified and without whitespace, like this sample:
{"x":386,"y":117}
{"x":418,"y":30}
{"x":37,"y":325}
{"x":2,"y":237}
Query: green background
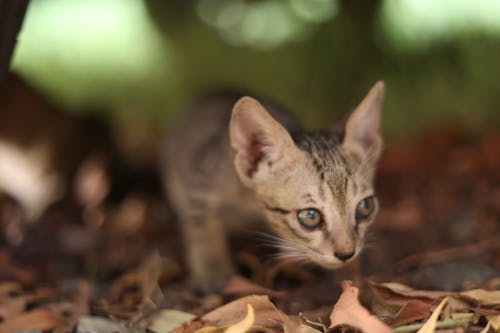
{"x":141,"y":61}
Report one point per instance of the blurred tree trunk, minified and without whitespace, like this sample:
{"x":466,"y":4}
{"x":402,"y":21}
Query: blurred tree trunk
{"x":11,"y":17}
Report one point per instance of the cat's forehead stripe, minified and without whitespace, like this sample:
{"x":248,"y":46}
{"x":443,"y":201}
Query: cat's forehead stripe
{"x":308,"y":199}
{"x":330,"y":164}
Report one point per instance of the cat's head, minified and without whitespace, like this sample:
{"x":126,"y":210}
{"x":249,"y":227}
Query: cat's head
{"x":316,"y":189}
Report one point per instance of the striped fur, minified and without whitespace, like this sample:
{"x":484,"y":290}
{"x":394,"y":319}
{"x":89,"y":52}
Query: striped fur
{"x":273,"y":170}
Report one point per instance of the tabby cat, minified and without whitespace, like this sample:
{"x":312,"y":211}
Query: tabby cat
{"x":314,"y":189}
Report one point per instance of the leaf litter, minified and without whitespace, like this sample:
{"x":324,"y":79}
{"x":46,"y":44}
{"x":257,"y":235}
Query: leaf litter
{"x":433,"y":266}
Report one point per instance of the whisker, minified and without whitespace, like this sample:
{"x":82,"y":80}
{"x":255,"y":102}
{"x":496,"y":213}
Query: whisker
{"x":288,"y":250}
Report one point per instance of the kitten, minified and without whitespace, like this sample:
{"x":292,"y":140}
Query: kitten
{"x":315,"y":189}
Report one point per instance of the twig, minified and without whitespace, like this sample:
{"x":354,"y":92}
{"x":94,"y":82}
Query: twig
{"x":463,"y":321}
{"x":318,"y":325}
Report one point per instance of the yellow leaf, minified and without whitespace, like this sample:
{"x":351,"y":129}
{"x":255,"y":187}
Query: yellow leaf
{"x":245,"y":324}
{"x":495,"y":322}
{"x":430,"y":324}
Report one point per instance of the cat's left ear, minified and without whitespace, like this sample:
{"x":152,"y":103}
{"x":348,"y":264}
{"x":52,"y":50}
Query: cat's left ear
{"x":363,"y":125}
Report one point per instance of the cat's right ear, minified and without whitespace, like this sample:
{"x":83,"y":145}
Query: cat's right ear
{"x":259,"y":141}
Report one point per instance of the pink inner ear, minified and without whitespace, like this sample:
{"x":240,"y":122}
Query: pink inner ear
{"x":363,"y":124}
{"x":368,"y":125}
{"x":255,"y":136}
{"x":255,"y":154}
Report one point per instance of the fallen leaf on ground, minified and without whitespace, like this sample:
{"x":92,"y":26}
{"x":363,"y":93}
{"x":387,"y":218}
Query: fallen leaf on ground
{"x":9,"y":270}
{"x":482,"y":297}
{"x":495,"y":322}
{"x":245,"y":324}
{"x":88,"y":324}
{"x":266,"y":314}
{"x":166,"y":320}
{"x":39,"y":319}
{"x":240,"y":286}
{"x":149,"y":274}
{"x":399,"y":294}
{"x":348,"y":311}
{"x":412,"y":311}
{"x":486,"y":328}
{"x":430,"y":324}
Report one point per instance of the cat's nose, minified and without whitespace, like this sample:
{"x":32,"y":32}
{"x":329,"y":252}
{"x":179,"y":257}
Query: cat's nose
{"x":344,"y":256}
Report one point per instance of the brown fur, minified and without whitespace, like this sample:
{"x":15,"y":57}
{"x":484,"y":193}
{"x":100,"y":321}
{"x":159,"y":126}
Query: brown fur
{"x":274,"y":170}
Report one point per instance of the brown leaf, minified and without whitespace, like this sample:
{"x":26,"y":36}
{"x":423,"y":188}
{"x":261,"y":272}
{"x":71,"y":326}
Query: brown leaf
{"x":410,"y":312}
{"x":13,"y":302}
{"x":150,"y":273}
{"x":398,"y":294}
{"x":12,"y":307}
{"x":240,"y":286}
{"x":9,"y":270}
{"x":266,"y":314}
{"x":192,"y":326}
{"x":292,"y":326}
{"x":348,"y":311}
{"x":245,"y":324}
{"x":430,"y":324}
{"x":39,"y":319}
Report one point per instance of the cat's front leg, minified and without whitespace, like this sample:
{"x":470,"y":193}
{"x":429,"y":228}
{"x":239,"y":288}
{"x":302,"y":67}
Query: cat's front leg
{"x":207,"y":252}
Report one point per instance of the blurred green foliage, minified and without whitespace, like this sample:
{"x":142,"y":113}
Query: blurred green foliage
{"x":145,"y":59}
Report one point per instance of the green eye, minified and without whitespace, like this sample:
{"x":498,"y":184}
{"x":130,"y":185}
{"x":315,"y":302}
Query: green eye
{"x":309,"y":218}
{"x":365,"y":208}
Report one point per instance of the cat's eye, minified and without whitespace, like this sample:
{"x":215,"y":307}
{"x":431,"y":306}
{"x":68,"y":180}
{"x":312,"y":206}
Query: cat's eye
{"x":310,"y":218}
{"x":365,"y":208}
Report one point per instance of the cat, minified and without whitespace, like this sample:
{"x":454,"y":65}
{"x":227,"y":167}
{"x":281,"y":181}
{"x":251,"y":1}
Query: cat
{"x":314,"y":189}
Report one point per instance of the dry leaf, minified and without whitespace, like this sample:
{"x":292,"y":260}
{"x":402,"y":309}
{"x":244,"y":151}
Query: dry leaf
{"x":495,"y":322}
{"x":166,"y":320}
{"x":39,"y":319}
{"x":88,"y":324}
{"x":192,"y":326}
{"x":266,"y":314}
{"x":430,"y":324}
{"x":486,"y":328}
{"x":149,"y":274}
{"x":412,"y":311}
{"x":245,"y":324}
{"x":240,"y":286}
{"x":348,"y":311}
{"x":11,"y":271}
{"x":482,"y":297}
{"x":294,"y":326}
{"x":210,"y":329}
{"x":399,"y":294}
